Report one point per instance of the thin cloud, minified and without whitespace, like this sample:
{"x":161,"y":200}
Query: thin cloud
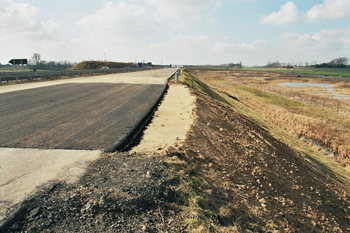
{"x":254,"y":46}
{"x":325,"y":40}
{"x":121,"y":19}
{"x":22,"y":19}
{"x":177,"y":9}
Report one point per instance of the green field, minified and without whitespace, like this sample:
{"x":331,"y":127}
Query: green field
{"x":344,"y":72}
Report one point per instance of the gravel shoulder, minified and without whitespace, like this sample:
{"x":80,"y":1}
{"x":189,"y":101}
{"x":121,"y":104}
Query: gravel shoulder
{"x":171,"y":122}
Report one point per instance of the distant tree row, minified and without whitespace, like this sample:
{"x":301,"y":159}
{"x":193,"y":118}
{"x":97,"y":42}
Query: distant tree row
{"x":289,"y":65}
{"x":86,"y":65}
{"x":37,"y":63}
{"x":341,"y":62}
{"x":233,"y":65}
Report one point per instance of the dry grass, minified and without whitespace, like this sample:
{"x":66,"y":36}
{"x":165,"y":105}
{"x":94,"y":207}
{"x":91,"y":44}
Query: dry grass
{"x":236,"y":177}
{"x":323,"y":120}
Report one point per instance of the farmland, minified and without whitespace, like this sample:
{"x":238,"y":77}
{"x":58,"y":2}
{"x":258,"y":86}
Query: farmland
{"x":333,"y":72}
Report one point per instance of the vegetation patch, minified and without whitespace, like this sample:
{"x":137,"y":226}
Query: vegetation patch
{"x":193,"y":82}
{"x":87,"y":65}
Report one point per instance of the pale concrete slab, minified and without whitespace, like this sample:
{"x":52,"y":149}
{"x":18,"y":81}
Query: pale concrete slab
{"x":23,"y":170}
{"x":158,"y":76}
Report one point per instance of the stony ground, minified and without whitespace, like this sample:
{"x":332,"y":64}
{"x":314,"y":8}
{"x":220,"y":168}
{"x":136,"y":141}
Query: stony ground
{"x":120,"y":192}
{"x":234,"y":175}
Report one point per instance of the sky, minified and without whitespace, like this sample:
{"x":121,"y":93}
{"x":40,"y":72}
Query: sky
{"x":186,"y":32}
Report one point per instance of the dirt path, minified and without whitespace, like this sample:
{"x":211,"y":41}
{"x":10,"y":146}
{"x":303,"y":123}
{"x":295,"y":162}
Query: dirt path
{"x":171,"y":123}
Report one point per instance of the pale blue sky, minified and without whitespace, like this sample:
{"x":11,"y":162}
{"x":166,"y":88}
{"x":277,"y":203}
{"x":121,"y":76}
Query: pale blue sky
{"x":176,"y":31}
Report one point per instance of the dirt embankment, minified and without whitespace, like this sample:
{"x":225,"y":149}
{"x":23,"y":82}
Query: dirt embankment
{"x":248,"y":180}
{"x":230,"y":176}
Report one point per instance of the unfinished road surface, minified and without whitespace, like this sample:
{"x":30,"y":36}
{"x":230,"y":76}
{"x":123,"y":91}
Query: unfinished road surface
{"x":81,"y":116}
{"x":74,"y":116}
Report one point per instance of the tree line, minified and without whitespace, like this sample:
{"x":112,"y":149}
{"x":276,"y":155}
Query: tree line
{"x":341,"y":62}
{"x":36,"y":63}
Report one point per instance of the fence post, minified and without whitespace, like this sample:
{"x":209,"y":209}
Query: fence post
{"x":324,"y":103}
{"x":176,"y":75}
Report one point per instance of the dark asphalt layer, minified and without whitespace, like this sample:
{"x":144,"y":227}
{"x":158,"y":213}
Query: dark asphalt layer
{"x":74,"y":116}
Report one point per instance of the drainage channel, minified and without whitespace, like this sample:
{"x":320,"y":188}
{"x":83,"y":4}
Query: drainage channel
{"x":328,"y":150}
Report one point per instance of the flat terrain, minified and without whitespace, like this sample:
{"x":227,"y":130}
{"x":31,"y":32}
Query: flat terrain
{"x":86,"y":116}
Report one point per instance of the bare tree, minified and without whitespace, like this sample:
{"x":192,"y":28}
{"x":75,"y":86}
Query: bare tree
{"x":275,"y":64}
{"x":339,"y":62}
{"x":36,"y":58}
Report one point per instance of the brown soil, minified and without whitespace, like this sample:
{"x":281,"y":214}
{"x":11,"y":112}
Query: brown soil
{"x":241,"y":178}
{"x":256,"y":182}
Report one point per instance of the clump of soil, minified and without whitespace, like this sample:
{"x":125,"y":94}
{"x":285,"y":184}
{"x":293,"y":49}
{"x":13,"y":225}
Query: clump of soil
{"x":230,"y":175}
{"x":120,"y":192}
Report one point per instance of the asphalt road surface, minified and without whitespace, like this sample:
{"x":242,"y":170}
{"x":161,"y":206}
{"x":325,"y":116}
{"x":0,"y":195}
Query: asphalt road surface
{"x":84,"y":116}
{"x":87,"y":114}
